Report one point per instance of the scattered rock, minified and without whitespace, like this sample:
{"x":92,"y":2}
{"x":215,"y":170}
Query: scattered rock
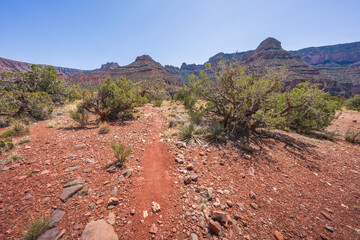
{"x":111,"y":169}
{"x":56,"y":217}
{"x":193,"y":176}
{"x":69,"y":192}
{"x":254,"y":205}
{"x":214,"y":227}
{"x":190,"y":167}
{"x":330,"y":229}
{"x":90,"y":160}
{"x":145,"y":214}
{"x":95,"y":230}
{"x":193,"y":236}
{"x":132,"y":212}
{"x":153,"y":229}
{"x":187,"y":179}
{"x":27,"y":197}
{"x":111,"y":218}
{"x":327,"y":216}
{"x":92,"y":206}
{"x":229,"y":203}
{"x":77,"y":226}
{"x":278,"y":235}
{"x":179,"y":160}
{"x":127,"y":173}
{"x":80,"y":146}
{"x":155,"y":207}
{"x":252,"y":195}
{"x":44,"y":172}
{"x":113,"y":201}
{"x":74,"y":168}
{"x":52,"y":234}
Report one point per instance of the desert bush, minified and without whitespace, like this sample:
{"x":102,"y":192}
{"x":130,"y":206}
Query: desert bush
{"x":352,"y":136}
{"x":216,"y":133}
{"x":36,"y":228}
{"x":104,"y":128}
{"x":6,"y":145}
{"x":13,"y":157}
{"x":120,"y":153}
{"x":353,"y":103}
{"x":24,"y":140}
{"x":16,"y":129}
{"x":80,"y":115}
{"x":157,"y":103}
{"x":112,"y":98}
{"x":306,"y":108}
{"x":191,"y":133}
{"x":251,"y":100}
{"x":19,"y":103}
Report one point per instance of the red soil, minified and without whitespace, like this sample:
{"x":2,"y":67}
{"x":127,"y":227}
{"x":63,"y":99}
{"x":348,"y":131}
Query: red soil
{"x":295,"y":178}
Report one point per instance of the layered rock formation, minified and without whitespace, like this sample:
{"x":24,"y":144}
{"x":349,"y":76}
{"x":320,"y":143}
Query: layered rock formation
{"x":144,"y":71}
{"x":340,"y":55}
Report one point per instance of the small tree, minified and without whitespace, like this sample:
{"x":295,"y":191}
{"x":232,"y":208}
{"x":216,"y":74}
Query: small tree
{"x":353,"y":103}
{"x":248,"y":100}
{"x":112,"y":98}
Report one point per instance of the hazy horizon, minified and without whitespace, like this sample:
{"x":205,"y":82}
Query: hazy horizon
{"x":86,"y":34}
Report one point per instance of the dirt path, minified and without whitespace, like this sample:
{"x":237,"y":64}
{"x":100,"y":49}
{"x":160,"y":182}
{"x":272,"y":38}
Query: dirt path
{"x":155,"y":183}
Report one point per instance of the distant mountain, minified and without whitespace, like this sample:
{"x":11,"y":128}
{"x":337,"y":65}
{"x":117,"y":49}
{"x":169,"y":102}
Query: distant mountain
{"x":144,"y":71}
{"x":340,"y":55}
{"x":7,"y":65}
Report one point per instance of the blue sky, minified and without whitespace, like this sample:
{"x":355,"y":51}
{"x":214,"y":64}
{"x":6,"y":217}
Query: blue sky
{"x":86,"y":33}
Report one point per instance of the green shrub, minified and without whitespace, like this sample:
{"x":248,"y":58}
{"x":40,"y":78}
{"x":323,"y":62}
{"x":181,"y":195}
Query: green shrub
{"x":157,"y":103}
{"x":80,"y":115}
{"x":36,"y":228}
{"x":216,"y":133}
{"x":353,"y":103}
{"x":24,"y":140}
{"x":248,"y":100}
{"x":308,"y":108}
{"x":112,"y":98}
{"x":104,"y":128}
{"x":13,"y":157}
{"x":16,"y":129}
{"x":352,"y":136}
{"x":120,"y":153}
{"x":6,"y":145}
{"x":191,"y":134}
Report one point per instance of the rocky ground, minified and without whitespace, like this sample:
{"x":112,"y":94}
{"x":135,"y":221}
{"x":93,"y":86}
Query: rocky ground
{"x":290,"y":187}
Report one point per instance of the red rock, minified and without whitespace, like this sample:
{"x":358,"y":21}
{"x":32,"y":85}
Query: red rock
{"x":326,"y":216}
{"x":278,"y":235}
{"x":214,"y":227}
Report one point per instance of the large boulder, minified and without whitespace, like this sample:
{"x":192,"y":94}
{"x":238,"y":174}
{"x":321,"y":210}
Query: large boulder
{"x":96,"y":230}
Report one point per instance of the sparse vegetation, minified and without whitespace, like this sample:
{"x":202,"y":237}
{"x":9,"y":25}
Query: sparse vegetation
{"x":157,"y":103}
{"x":80,"y":115}
{"x":6,"y":145}
{"x":216,"y":133}
{"x":191,"y":134}
{"x":120,"y":153}
{"x":353,"y":103}
{"x":104,"y":128}
{"x":36,"y":228}
{"x":352,"y":135}
{"x":16,"y":129}
{"x":24,"y":140}
{"x":13,"y":157}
